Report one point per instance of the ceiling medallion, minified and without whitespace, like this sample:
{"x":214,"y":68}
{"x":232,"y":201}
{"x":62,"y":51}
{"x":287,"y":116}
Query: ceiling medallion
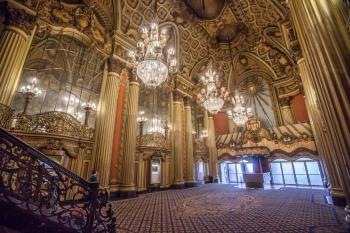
{"x":213,"y":100}
{"x":152,"y":67}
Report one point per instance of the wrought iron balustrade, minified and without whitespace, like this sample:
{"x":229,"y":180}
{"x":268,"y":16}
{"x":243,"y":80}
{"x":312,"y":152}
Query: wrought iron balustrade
{"x":33,"y":182}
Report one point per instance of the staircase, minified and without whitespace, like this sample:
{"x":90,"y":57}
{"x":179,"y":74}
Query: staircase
{"x":39,"y":195}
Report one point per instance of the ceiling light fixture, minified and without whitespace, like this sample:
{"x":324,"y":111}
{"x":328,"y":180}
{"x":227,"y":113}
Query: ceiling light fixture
{"x":151,"y":65}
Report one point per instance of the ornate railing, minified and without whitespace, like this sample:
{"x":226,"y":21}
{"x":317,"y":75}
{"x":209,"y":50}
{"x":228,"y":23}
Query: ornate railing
{"x":32,"y":181}
{"x":6,"y":114}
{"x":58,"y":123}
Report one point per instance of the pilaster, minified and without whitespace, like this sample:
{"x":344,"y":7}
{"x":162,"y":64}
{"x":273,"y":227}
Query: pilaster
{"x":189,"y":181}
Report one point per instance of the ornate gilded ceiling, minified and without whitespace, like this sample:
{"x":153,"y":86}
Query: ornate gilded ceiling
{"x":257,"y":29}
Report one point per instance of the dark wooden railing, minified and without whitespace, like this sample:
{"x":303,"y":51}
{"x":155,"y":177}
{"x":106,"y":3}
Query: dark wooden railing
{"x":32,"y":181}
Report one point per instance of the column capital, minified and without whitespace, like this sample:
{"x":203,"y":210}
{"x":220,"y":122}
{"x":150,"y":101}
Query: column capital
{"x":131,"y":72}
{"x":115,"y":65}
{"x":187,"y":101}
{"x":177,"y":96}
{"x":284,"y":102}
{"x":18,"y":18}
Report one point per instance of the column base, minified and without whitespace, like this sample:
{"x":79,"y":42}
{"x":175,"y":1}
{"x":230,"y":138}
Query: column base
{"x":338,"y":197}
{"x":191,"y":184}
{"x":126,"y":194}
{"x":178,"y":186}
{"x":212,"y":179}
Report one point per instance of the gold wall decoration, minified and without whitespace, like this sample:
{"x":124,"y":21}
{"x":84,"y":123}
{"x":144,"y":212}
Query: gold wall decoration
{"x":56,"y":123}
{"x":81,"y":17}
{"x":287,"y":138}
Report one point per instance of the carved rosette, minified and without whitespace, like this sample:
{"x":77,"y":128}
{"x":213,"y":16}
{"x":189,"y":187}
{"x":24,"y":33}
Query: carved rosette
{"x":18,"y":18}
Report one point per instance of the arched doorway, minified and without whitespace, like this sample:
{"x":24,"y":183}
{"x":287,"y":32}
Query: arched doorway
{"x":303,"y":171}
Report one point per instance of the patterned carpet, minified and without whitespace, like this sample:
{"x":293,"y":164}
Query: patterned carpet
{"x":224,"y":208}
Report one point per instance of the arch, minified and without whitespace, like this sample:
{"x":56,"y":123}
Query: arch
{"x":267,"y":71}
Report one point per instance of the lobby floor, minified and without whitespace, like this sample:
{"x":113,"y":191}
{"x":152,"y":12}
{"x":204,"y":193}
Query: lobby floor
{"x":226,"y":208}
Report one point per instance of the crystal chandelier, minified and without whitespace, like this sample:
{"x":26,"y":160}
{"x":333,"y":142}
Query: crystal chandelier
{"x":213,"y":100}
{"x":152,"y":66}
{"x":240,"y":113}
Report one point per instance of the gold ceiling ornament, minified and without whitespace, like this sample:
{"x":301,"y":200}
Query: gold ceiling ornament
{"x":149,"y":61}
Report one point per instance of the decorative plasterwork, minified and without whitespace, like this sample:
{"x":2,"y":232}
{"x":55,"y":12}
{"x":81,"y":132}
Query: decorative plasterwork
{"x":286,"y":138}
{"x":76,"y":19}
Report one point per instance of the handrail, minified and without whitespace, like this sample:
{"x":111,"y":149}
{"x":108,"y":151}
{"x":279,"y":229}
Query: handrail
{"x":31,"y":180}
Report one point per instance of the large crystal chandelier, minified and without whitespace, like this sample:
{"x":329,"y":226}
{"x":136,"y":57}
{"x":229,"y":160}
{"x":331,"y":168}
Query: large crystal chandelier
{"x":152,"y":66}
{"x":212,"y":98}
{"x":240,"y":113}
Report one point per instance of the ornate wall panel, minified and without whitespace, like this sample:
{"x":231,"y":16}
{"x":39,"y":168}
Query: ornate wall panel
{"x":69,"y":74}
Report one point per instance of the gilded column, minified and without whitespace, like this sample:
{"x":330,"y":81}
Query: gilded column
{"x":213,"y":154}
{"x":14,"y":45}
{"x":189,"y":180}
{"x":178,"y":141}
{"x":127,"y":180}
{"x":324,"y":41}
{"x":286,"y":111}
{"x":322,"y":141}
{"x":106,"y":121}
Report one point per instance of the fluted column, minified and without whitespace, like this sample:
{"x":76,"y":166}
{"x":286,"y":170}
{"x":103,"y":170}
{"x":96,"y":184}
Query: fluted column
{"x":15,"y":41}
{"x":117,"y":138}
{"x":106,"y":121}
{"x":213,"y":153}
{"x":322,"y":140}
{"x":127,"y":180}
{"x":178,"y":141}
{"x":286,"y":111}
{"x":324,"y":41}
{"x":189,"y":143}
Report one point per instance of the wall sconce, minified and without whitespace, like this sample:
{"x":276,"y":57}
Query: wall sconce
{"x":88,"y":107}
